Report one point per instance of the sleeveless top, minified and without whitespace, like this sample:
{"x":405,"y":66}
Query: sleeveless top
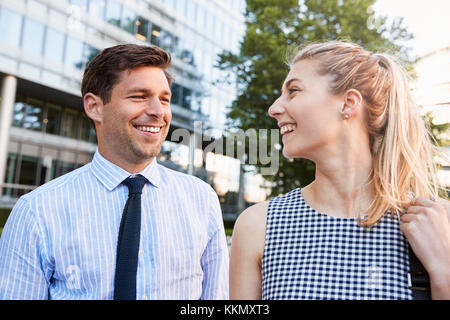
{"x":310,"y":255}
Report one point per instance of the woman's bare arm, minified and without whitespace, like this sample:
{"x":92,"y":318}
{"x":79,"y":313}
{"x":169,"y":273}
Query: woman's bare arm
{"x":247,"y":248}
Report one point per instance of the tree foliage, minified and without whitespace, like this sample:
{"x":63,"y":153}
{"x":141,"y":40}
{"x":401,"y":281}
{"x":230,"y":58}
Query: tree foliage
{"x":274,"y":28}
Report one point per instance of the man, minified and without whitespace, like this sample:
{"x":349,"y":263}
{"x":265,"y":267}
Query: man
{"x":89,"y":234}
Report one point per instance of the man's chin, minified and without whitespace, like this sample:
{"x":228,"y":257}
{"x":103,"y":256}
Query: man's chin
{"x":147,"y":154}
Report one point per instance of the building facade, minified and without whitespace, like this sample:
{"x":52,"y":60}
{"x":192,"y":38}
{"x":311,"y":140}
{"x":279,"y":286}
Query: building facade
{"x":45,"y":46}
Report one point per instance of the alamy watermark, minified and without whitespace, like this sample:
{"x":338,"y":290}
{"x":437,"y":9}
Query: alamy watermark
{"x":262,"y":145}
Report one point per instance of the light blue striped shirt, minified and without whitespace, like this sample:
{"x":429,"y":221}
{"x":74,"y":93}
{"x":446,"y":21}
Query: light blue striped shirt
{"x":60,"y":240}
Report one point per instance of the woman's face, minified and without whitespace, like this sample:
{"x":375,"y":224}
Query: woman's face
{"x":308,"y":114}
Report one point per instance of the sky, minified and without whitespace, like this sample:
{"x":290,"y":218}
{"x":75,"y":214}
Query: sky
{"x":428,"y":20}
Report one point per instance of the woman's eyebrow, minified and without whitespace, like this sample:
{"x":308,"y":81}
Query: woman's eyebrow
{"x":288,"y":83}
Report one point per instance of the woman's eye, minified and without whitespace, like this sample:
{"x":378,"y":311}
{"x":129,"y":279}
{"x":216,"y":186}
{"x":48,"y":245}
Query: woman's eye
{"x":292,"y":90}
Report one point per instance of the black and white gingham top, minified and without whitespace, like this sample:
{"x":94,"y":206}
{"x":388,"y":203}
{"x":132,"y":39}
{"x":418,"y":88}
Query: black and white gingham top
{"x":310,"y":255}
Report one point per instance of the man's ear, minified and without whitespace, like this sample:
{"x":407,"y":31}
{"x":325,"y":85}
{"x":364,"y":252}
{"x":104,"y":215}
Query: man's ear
{"x":93,"y":106}
{"x":352,"y":103}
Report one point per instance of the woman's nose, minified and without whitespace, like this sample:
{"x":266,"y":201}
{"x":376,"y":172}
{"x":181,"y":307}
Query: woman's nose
{"x":276,"y":108}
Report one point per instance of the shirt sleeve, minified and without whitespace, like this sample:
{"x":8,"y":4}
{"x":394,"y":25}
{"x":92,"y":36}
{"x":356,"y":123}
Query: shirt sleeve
{"x":215,"y":259}
{"x":21,"y":267}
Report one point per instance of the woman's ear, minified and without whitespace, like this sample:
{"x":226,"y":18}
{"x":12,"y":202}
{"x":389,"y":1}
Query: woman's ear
{"x":352,"y":104}
{"x":93,"y":106}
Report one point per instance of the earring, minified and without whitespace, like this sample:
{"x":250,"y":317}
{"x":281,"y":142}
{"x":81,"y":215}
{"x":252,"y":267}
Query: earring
{"x":346,"y":116}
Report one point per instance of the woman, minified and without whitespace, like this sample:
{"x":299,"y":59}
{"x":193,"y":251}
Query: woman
{"x":345,"y":235}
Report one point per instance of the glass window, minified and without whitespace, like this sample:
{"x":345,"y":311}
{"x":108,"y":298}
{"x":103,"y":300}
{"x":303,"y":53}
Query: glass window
{"x":196,"y":101}
{"x":128,"y":20}
{"x":168,"y":41}
{"x":34,"y":115}
{"x":113,"y":9}
{"x":54,"y":45}
{"x":74,"y":53}
{"x":187,"y":98}
{"x":176,"y":94}
{"x":10,"y":173}
{"x":192,"y":11}
{"x":174,"y":155}
{"x":170,"y":3}
{"x":53,"y":119}
{"x":70,"y":124}
{"x":19,"y":112}
{"x":205,"y":105}
{"x":60,"y":167}
{"x":198,"y":53}
{"x":28,"y":169}
{"x":221,"y":31}
{"x":10,"y":27}
{"x":200,"y":17}
{"x":97,"y":9}
{"x":89,"y":53}
{"x":156,"y":35}
{"x":187,"y":56}
{"x":28,"y":115}
{"x":209,"y":23}
{"x":41,"y":173}
{"x":143,"y":26}
{"x":87,"y":130}
{"x":33,"y":37}
{"x":181,"y":7}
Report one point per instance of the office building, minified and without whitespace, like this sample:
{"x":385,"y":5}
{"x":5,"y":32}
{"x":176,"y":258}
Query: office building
{"x":45,"y":46}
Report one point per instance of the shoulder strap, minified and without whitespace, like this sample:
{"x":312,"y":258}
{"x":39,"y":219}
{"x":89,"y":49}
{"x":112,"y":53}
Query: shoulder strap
{"x":418,"y":279}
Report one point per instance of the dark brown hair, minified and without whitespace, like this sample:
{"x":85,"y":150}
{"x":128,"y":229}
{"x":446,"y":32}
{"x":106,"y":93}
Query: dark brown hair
{"x":103,"y":72}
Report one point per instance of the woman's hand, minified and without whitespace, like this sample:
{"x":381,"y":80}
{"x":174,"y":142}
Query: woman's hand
{"x":426,"y":225}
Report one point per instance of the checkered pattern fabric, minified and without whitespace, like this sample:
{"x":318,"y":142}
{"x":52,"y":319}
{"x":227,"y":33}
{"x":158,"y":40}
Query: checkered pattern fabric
{"x":310,"y":255}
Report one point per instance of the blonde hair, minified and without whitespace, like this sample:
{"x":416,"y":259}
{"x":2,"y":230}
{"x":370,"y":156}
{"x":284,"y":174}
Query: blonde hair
{"x":401,"y":146}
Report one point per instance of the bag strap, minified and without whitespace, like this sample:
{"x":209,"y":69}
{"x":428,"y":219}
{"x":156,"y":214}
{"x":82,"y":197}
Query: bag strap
{"x":418,"y":279}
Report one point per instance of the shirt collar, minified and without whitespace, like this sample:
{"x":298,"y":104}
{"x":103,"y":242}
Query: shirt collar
{"x":111,"y":175}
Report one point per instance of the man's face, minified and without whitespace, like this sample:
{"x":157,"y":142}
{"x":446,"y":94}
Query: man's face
{"x":135,"y":122}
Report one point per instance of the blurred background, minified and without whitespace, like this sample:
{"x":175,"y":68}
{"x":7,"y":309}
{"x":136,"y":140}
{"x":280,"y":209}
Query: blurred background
{"x":228,"y":63}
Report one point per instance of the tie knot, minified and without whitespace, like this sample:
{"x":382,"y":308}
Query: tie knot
{"x":135,"y":184}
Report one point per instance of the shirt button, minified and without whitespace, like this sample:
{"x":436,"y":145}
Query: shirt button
{"x":144,"y":297}
{"x":141,"y":253}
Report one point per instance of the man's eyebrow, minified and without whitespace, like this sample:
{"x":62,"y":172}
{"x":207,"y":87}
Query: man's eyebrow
{"x":287,"y":83}
{"x":138,"y":89}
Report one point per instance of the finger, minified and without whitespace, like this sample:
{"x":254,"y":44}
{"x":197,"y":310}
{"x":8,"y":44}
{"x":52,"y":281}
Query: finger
{"x":415,"y":209}
{"x":421,"y":201}
{"x":407,"y":218}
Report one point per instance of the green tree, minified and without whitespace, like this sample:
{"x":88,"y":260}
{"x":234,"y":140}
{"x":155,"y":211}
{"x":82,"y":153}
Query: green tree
{"x":438,"y":131}
{"x":274,"y":29}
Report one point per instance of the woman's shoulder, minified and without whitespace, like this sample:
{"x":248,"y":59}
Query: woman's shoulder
{"x":254,"y":215}
{"x":249,"y":231}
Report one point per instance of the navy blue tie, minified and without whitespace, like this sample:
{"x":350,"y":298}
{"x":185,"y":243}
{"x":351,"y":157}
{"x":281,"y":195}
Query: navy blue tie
{"x":128,"y":241}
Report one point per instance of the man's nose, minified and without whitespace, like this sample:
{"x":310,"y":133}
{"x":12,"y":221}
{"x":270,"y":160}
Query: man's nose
{"x":155,"y":108}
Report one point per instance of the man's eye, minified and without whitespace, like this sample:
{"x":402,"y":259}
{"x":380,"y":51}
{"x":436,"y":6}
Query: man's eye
{"x":292,"y":90}
{"x":137,"y":97}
